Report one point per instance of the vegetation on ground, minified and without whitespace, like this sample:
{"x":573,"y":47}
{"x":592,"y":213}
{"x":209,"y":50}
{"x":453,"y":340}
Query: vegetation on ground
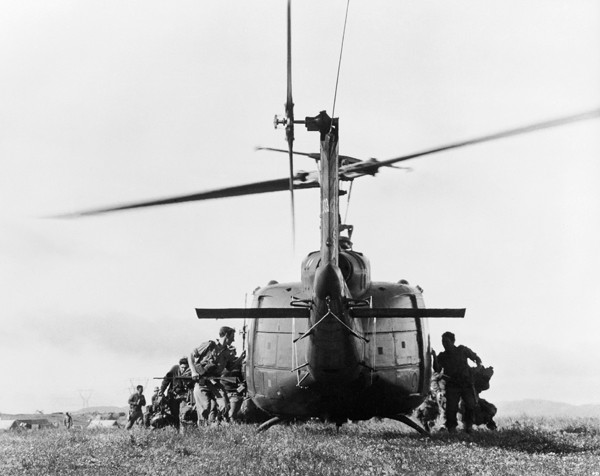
{"x":522,"y":446}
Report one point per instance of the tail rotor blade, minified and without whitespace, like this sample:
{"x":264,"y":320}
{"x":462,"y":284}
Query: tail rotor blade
{"x":291,"y":186}
{"x":289,"y":113}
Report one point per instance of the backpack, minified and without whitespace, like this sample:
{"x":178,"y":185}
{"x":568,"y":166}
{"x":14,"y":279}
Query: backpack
{"x":205,"y":354}
{"x":481,"y":377}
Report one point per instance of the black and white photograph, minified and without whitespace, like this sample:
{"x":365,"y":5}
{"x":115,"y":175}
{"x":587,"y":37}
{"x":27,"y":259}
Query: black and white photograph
{"x":291,"y":237}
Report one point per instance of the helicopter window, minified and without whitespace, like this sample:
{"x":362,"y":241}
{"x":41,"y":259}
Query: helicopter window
{"x":345,"y":267}
{"x":407,"y":348}
{"x":381,"y":353}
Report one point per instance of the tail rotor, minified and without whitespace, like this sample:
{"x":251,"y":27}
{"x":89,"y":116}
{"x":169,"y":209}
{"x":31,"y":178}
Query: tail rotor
{"x":288,"y":120}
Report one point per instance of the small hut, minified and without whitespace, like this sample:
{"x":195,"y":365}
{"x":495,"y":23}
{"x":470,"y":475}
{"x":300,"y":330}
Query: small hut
{"x":104,"y":424}
{"x":8,"y":425}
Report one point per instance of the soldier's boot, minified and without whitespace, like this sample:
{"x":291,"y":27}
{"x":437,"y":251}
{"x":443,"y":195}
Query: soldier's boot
{"x":492,"y":425}
{"x":202,"y":423}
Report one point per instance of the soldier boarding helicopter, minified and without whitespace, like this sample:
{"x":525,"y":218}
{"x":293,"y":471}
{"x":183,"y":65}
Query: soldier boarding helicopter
{"x":337,"y":344}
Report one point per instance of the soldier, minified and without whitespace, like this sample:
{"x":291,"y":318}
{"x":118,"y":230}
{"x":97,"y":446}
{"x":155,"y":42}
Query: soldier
{"x":137,"y":401}
{"x":155,"y":400}
{"x":151,"y":409}
{"x":434,"y":404}
{"x":176,"y":389}
{"x":234,"y":387}
{"x":483,"y":414}
{"x":484,"y":411}
{"x":459,"y":382}
{"x":68,"y":421}
{"x":208,"y":361}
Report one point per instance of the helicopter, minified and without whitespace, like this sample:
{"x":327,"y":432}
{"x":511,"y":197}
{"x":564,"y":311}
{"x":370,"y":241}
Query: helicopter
{"x":337,"y":344}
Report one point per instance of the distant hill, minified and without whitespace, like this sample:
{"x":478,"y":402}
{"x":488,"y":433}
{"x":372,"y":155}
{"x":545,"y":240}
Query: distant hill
{"x":529,"y":407}
{"x":30,"y":416}
{"x":546,"y":408}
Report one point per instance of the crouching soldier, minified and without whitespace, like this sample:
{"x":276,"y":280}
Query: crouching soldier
{"x":484,"y":411}
{"x":484,"y":414}
{"x":153,"y":408}
{"x":187,"y":413}
{"x":207,"y":362}
{"x":434,"y":406}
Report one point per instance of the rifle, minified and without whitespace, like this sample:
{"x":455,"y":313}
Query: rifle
{"x":222,"y":379}
{"x":244,"y":331}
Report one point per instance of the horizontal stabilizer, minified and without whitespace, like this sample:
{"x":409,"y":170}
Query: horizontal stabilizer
{"x":253,"y":313}
{"x":405,"y":312}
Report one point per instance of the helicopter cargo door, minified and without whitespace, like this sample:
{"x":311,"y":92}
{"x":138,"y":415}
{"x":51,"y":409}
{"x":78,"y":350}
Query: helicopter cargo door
{"x":407,"y":360}
{"x":274,"y":354}
{"x":393,"y":351}
{"x":394,"y":347}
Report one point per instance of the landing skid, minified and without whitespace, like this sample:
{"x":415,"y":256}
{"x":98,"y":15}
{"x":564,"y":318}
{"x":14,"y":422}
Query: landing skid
{"x":268,"y":424}
{"x":401,"y":418}
{"x":407,"y":421}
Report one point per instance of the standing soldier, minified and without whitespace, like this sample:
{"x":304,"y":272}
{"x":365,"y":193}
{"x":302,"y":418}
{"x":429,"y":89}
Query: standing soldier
{"x":137,"y":401}
{"x":176,"y":386}
{"x":208,"y":361}
{"x":68,"y":421}
{"x":234,"y":387}
{"x":459,"y":381}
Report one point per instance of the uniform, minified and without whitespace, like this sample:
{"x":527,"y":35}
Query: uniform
{"x":434,"y":405}
{"x":459,"y":383}
{"x":68,"y":420}
{"x":234,"y":388}
{"x":177,"y":391}
{"x":136,"y":403}
{"x":208,"y":361}
{"x":484,"y":411}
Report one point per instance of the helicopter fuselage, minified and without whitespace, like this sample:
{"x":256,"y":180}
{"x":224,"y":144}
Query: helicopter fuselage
{"x":332,"y":365}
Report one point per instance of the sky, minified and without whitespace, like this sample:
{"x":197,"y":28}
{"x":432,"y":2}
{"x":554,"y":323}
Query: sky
{"x":117,"y":101}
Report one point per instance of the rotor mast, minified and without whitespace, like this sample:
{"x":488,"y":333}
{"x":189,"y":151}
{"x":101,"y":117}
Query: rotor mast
{"x":329,"y":178}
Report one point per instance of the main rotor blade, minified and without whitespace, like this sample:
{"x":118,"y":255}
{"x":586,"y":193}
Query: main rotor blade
{"x":490,"y":137}
{"x":308,"y":180}
{"x":277,"y":185}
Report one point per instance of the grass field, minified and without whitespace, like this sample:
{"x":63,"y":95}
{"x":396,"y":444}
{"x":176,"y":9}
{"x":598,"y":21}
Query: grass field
{"x":525,"y":446}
